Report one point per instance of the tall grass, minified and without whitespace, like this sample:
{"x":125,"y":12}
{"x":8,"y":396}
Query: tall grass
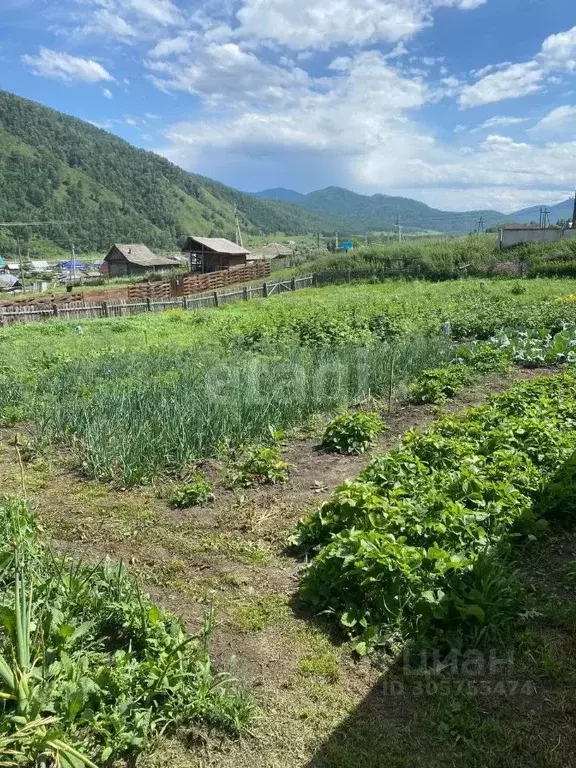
{"x":136,"y":415}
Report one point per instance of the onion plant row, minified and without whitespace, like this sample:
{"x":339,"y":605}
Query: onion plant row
{"x":134,"y":416}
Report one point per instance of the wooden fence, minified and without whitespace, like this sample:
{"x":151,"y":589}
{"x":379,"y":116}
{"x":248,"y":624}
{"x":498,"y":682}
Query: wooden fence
{"x":187,"y":285}
{"x":83,"y":310}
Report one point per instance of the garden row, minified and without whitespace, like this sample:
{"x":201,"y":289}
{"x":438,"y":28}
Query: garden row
{"x":132,"y":410}
{"x":417,"y":546}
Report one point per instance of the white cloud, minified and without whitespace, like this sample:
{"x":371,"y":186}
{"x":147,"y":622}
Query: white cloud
{"x":171,"y":47}
{"x":511,"y":83}
{"x":321,"y":23}
{"x":559,"y":51}
{"x":465,"y":5}
{"x":560,"y":122}
{"x":161,"y":11}
{"x":226,"y":73}
{"x":105,"y":22}
{"x":301,"y":24}
{"x":107,"y":93}
{"x":500,"y":121}
{"x":62,"y":66}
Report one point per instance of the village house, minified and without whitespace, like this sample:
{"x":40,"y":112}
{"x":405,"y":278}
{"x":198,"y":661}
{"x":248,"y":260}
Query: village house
{"x":124,"y":260}
{"x":210,"y":254}
{"x":270,"y":251}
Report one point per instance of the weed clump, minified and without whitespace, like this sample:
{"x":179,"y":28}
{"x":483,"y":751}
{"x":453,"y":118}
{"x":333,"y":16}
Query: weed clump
{"x":191,"y":494}
{"x":258,"y":465}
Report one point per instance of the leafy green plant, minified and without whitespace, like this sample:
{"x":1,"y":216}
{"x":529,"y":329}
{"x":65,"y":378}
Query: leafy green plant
{"x":352,"y":432}
{"x":90,"y":668}
{"x":258,"y":465}
{"x":191,"y":494}
{"x":439,"y":384}
{"x":418,"y":544}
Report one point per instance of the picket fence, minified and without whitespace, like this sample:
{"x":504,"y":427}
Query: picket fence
{"x":83,"y":310}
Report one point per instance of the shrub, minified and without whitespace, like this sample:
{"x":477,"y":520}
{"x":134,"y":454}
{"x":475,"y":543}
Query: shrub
{"x":191,"y":494}
{"x":439,"y":384}
{"x":352,"y":432}
{"x":258,"y":465}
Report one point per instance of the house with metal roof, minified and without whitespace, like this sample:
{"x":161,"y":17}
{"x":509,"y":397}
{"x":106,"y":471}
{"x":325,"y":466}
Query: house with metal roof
{"x":124,"y":260}
{"x":210,"y":254}
{"x":37,"y":267}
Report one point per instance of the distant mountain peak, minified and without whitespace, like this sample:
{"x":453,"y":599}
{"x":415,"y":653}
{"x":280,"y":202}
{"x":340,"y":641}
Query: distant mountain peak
{"x":282,"y":194}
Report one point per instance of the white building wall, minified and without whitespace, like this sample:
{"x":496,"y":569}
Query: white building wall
{"x":510,"y":237}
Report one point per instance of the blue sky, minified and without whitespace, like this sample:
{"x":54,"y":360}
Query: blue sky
{"x":459,"y":103}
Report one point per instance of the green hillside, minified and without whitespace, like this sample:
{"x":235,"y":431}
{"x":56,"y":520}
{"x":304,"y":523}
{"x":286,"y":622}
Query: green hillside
{"x":379,"y":212}
{"x":101,"y":189}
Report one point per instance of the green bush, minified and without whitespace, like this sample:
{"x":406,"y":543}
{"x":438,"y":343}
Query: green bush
{"x":258,"y":465}
{"x":192,"y":494}
{"x":439,"y":384}
{"x":352,"y":432}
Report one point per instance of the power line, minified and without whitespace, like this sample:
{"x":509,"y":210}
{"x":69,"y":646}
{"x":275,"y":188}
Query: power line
{"x":30,"y":223}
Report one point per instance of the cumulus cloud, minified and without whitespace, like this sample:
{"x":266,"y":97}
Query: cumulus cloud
{"x":107,"y":93}
{"x":62,"y":66}
{"x":360,"y":110}
{"x":226,"y":73}
{"x":512,"y":81}
{"x":321,"y":23}
{"x":302,"y":24}
{"x":559,"y":51}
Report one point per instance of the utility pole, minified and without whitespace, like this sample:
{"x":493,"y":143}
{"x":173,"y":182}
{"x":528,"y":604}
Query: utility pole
{"x":336,"y":241}
{"x":318,"y":240}
{"x":22,"y":281}
{"x":574,"y":214}
{"x":399,"y":228}
{"x":545,"y":218}
{"x":238,"y":230}
{"x":73,"y":263}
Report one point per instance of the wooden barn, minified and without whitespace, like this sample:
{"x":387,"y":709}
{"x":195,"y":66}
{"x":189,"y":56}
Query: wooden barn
{"x":210,"y":254}
{"x":133,"y":259}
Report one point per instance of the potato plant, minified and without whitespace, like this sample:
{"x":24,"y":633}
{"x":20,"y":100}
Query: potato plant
{"x":352,"y":432}
{"x":414,"y":546}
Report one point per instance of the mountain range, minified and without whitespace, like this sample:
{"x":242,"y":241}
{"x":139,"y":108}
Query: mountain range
{"x":379,"y":212}
{"x":96,"y":189}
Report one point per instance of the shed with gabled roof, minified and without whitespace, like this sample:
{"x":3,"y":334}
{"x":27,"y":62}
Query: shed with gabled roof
{"x":210,"y":254}
{"x":126,"y":259}
{"x":270,"y":251}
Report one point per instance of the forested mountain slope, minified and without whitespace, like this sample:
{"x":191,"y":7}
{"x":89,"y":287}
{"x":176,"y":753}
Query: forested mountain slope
{"x":102,"y":189}
{"x":379,"y":212}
